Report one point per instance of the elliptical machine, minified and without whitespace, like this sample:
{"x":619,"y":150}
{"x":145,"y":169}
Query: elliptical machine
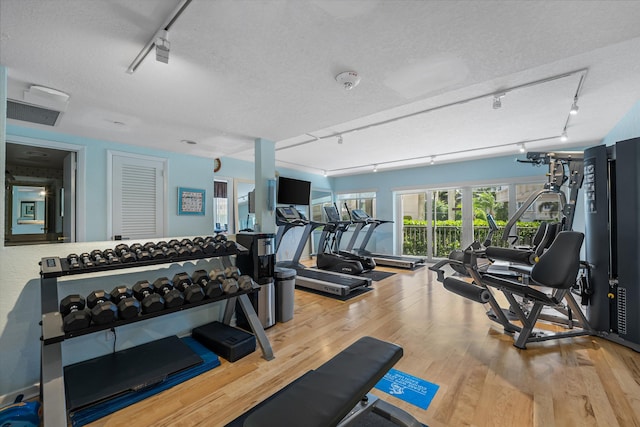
{"x":330,"y":257}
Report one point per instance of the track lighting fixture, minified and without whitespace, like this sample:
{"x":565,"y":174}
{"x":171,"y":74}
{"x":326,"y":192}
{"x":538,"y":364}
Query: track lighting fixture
{"x":574,"y":108}
{"x":162,"y":46}
{"x":324,"y":173}
{"x":522,"y":148}
{"x":375,"y":168}
{"x":564,"y":136}
{"x":433,"y":160}
{"x":497,"y":100}
{"x":340,"y":140}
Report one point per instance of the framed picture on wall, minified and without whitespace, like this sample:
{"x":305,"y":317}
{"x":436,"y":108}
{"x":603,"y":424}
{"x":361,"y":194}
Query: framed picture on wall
{"x":191,"y":201}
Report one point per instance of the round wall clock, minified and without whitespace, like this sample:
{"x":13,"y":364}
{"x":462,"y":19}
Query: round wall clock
{"x":217,"y":164}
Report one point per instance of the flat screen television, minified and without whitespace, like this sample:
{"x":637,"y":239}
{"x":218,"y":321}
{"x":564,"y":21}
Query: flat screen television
{"x":293,"y":191}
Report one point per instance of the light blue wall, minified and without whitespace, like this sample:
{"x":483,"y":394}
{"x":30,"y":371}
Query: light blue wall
{"x":184,"y":171}
{"x":628,"y":127}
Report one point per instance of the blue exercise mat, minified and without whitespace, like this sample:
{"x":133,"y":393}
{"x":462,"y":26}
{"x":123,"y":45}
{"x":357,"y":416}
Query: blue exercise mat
{"x":95,"y":412}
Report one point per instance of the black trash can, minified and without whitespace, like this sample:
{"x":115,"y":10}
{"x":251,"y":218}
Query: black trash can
{"x":285,"y":279}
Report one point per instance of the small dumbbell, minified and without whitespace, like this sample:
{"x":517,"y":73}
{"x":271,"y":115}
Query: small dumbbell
{"x":103,"y":311}
{"x":98,"y":259}
{"x":191,"y":248}
{"x":73,"y":261}
{"x":232,"y":272}
{"x":125,"y":254}
{"x":217,"y":275}
{"x":128,"y":306}
{"x":211,"y":288}
{"x":245,"y":282}
{"x":172,"y":297}
{"x":181,"y":251}
{"x":111,"y":256}
{"x":192,"y":292}
{"x":166,"y":250}
{"x":220,"y":238}
{"x":230,"y":247}
{"x":86,"y":260}
{"x":154,"y":251}
{"x":75,"y":317}
{"x":150,"y":301}
{"x":141,"y":253}
{"x":230,"y":286}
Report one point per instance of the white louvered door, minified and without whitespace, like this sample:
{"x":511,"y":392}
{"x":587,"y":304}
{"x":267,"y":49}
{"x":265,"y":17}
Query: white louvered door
{"x":138,"y":198}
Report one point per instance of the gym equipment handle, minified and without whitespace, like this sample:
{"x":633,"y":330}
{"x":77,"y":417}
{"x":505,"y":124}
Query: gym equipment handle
{"x":468,"y":290}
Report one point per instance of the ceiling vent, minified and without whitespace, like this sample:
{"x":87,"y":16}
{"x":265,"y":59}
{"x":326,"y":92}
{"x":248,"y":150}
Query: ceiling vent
{"x":32,"y":113}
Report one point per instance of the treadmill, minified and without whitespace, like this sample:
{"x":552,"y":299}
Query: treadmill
{"x":312,"y":278}
{"x":362,"y":219}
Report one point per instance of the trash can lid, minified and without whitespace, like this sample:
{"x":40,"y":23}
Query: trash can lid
{"x":284,"y":273}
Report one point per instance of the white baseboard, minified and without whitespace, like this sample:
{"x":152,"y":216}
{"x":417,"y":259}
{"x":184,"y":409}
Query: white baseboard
{"x":28,"y":392}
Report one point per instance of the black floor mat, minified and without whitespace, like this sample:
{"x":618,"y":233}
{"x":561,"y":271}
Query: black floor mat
{"x":376,"y":276}
{"x":350,"y":295}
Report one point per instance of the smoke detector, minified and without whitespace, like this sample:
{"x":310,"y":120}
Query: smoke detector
{"x":348,"y":79}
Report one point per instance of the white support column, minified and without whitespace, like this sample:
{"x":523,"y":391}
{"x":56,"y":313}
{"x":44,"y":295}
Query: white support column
{"x":265,"y":171}
{"x":3,"y":144}
{"x":467,"y":217}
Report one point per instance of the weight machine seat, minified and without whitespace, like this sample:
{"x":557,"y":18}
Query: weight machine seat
{"x":323,"y":397}
{"x":543,"y":238}
{"x":557,"y":268}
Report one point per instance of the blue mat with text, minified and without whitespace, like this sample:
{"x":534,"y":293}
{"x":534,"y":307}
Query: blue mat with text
{"x":406,"y":387}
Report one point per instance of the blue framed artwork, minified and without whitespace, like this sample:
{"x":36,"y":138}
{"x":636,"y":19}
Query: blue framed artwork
{"x":191,"y":201}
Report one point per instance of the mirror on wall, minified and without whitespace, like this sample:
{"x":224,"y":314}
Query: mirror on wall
{"x":319,"y":199}
{"x":245,"y":207}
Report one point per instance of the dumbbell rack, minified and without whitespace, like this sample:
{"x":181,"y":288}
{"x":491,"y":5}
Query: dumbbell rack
{"x":52,"y":389}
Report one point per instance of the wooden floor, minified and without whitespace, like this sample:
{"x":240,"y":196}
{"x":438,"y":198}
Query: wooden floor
{"x":484,"y":380}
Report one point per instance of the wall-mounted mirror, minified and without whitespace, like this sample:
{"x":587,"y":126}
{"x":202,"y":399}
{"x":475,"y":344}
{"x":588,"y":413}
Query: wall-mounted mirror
{"x":245,"y":209}
{"x":319,"y":199}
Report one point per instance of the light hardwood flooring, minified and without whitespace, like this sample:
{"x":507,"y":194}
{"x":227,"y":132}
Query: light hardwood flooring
{"x":447,"y":340}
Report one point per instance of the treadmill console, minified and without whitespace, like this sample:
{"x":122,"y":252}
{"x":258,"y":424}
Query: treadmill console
{"x":359,"y":215}
{"x":332,"y":213}
{"x":288,"y":213}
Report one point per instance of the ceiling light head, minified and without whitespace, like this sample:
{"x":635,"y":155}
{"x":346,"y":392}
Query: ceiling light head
{"x":564,"y":137}
{"x":348,"y":79}
{"x":522,"y":148}
{"x":188,"y":142}
{"x":574,"y":109}
{"x":324,"y":173}
{"x":340,"y":140}
{"x":162,"y":46}
{"x":433,"y":160}
{"x":375,"y":168}
{"x":497,"y":100}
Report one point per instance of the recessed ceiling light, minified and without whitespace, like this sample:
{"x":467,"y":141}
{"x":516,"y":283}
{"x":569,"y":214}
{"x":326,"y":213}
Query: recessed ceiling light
{"x":188,"y":141}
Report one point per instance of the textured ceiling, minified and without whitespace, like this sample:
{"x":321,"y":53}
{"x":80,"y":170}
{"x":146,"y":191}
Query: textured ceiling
{"x":239,"y":70}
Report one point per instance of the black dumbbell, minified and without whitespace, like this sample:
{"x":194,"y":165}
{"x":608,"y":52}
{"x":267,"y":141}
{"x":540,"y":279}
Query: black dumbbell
{"x":207,"y":245}
{"x":154,"y":252}
{"x":128,"y":306}
{"x":220,"y":238}
{"x":73,"y":261}
{"x":230,"y":247}
{"x":98,"y":258}
{"x":181,"y":251}
{"x":172,"y":297}
{"x":246,"y":283}
{"x":166,"y":250}
{"x":151,"y":302}
{"x":103,"y":311}
{"x":75,"y":317}
{"x":125,"y":254}
{"x":111,"y":256}
{"x":211,"y":288}
{"x":87,"y":262}
{"x":192,"y":292}
{"x":194,"y":250}
{"x":141,"y":253}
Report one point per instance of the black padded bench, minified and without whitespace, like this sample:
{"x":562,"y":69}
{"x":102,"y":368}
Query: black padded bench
{"x":335,"y":394}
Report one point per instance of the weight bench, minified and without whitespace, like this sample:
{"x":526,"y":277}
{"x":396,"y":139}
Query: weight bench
{"x":550,"y":282}
{"x":335,"y":394}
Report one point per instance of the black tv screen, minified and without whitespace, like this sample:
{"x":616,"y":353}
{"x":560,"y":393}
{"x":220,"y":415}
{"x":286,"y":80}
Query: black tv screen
{"x":293,"y":191}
